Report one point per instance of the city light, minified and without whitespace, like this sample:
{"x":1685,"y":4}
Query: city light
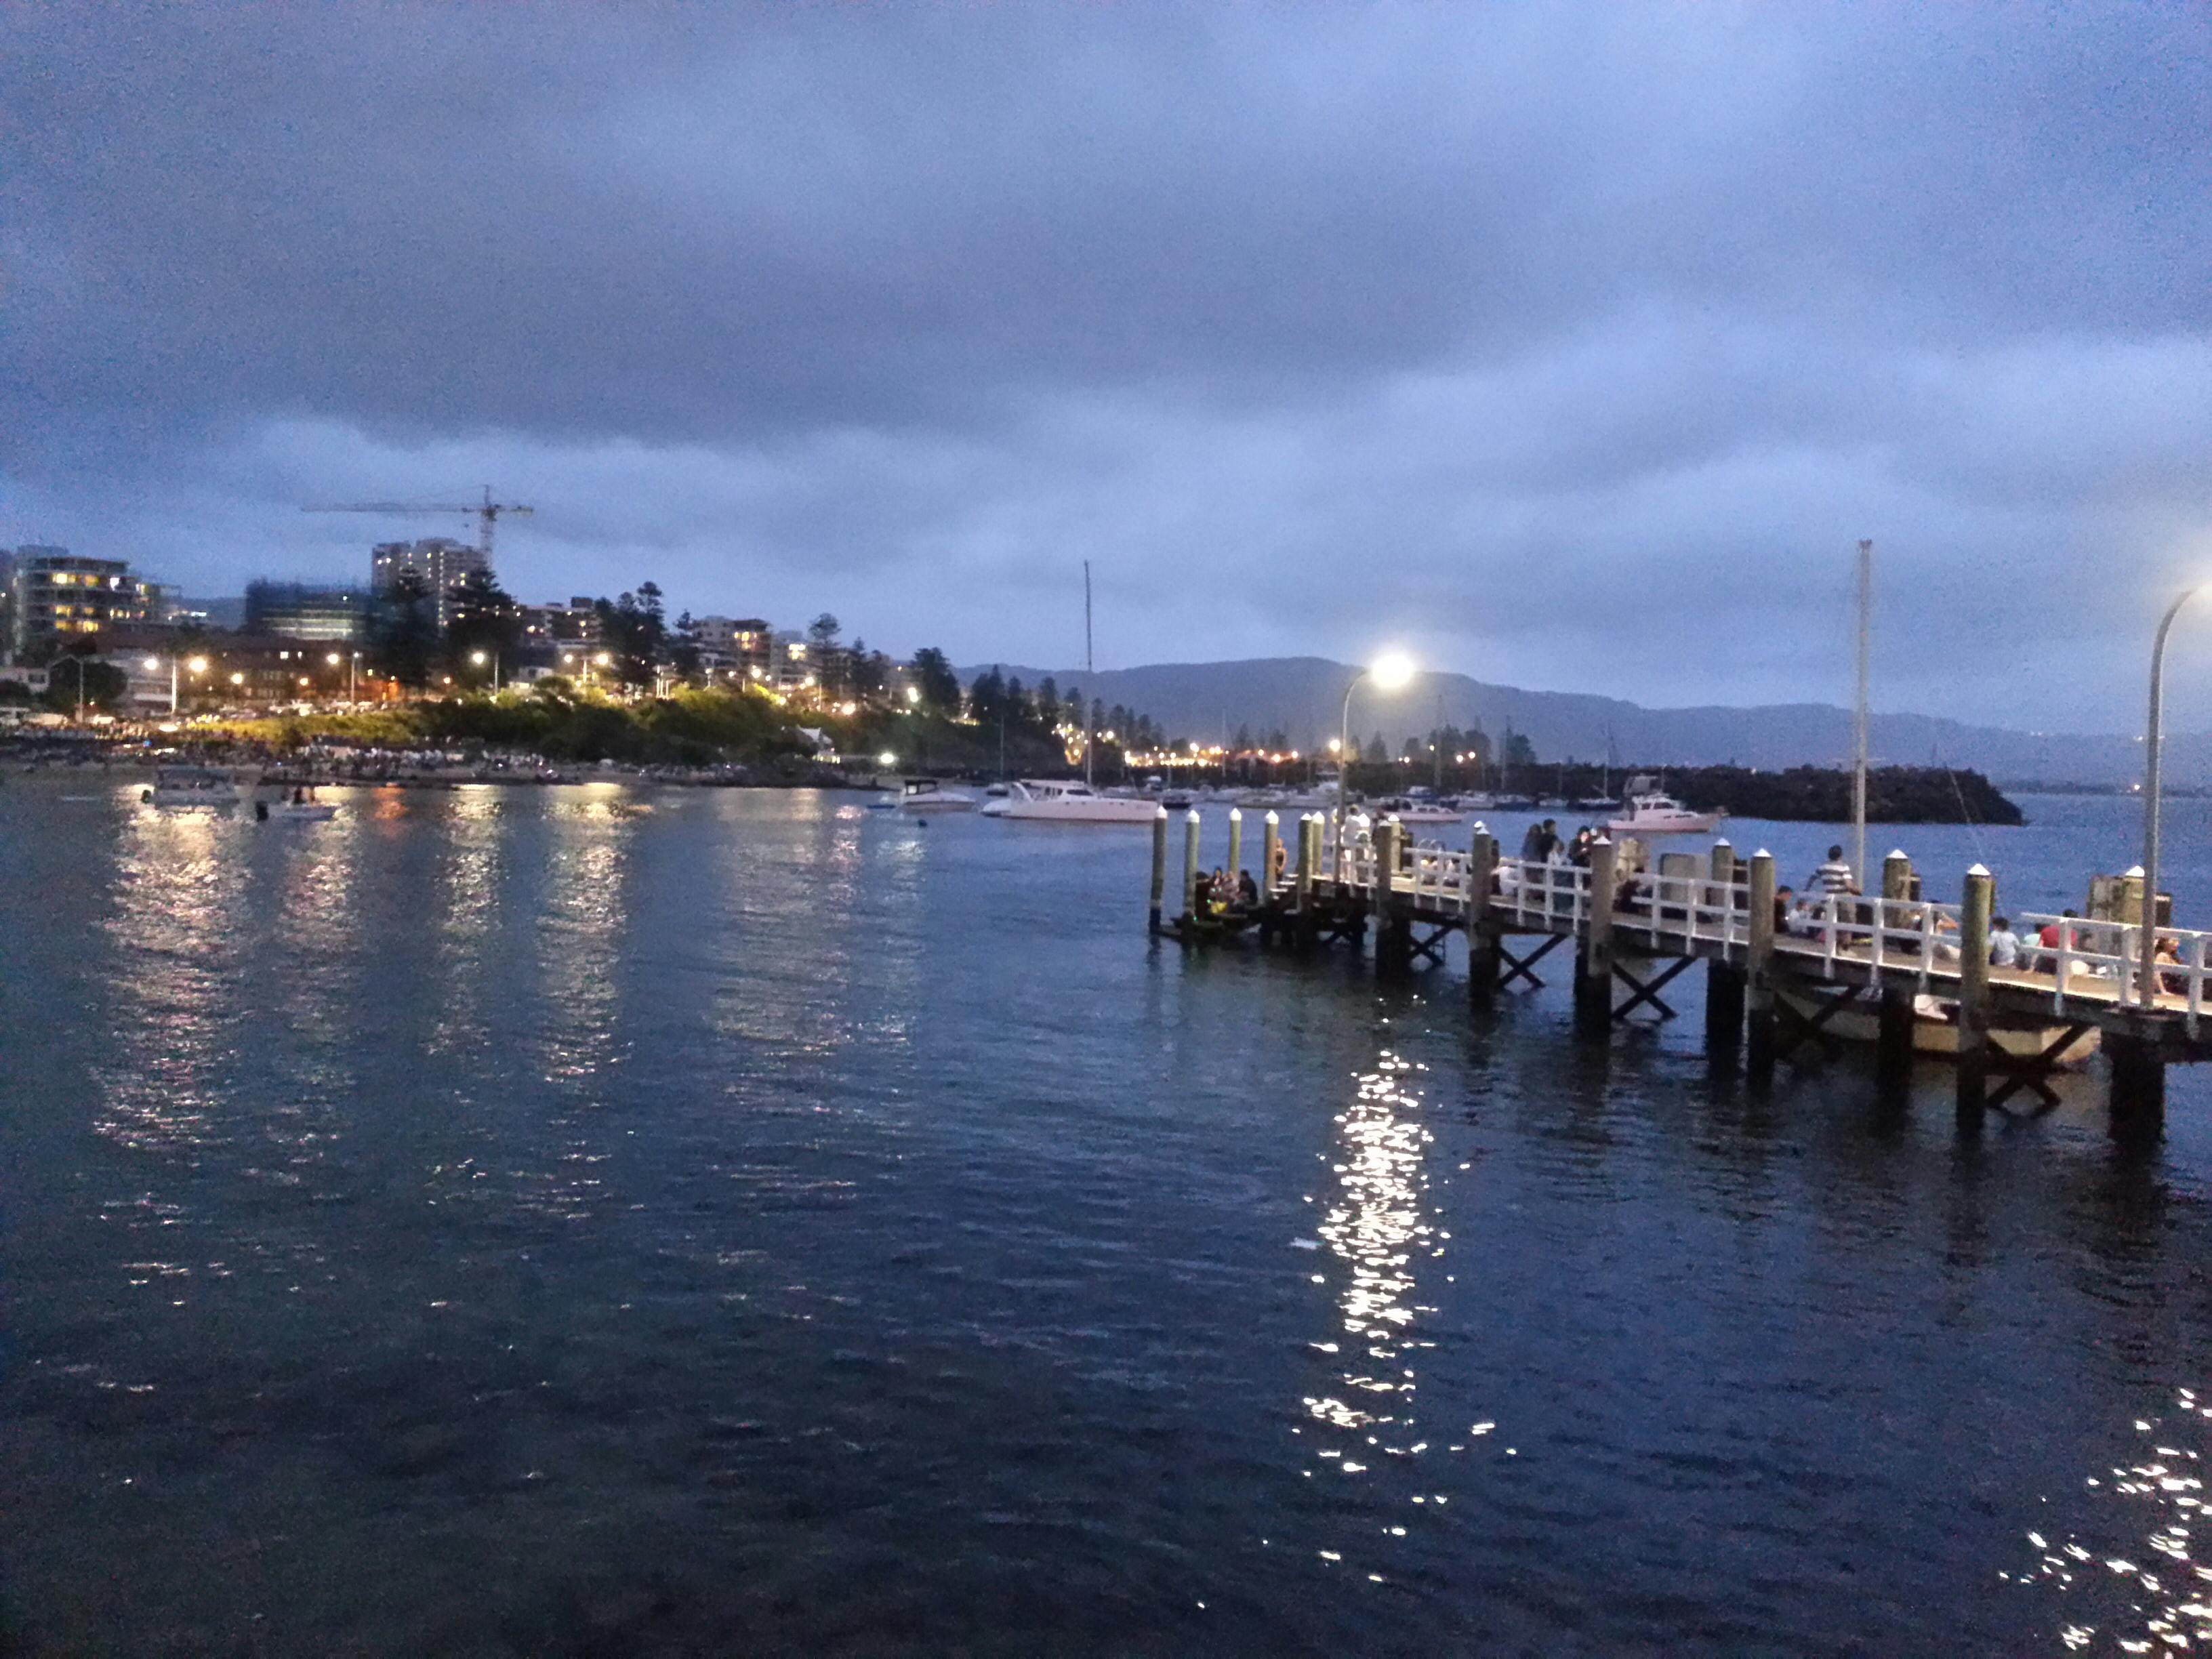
{"x":887,"y":758}
{"x":198,"y":664}
{"x":238,"y":679}
{"x":478,"y":658}
{"x":333,"y":660}
{"x":913,"y":694}
{"x":1335,"y":747}
{"x":152,"y":663}
{"x":604,"y":660}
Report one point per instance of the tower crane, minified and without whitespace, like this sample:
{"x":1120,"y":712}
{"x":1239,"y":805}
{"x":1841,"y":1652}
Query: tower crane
{"x":486,"y":513}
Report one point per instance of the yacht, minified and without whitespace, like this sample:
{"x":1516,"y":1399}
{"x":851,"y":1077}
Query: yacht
{"x":1042,"y":800}
{"x":1651,"y":812}
{"x":186,"y":788}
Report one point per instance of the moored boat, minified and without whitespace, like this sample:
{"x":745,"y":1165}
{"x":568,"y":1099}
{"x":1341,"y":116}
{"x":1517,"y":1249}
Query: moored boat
{"x":1047,"y":800}
{"x":189,"y":788}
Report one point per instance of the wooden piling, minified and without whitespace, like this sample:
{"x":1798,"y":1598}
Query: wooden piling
{"x":1159,"y":865}
{"x":2137,"y":1102}
{"x":1481,"y":930}
{"x":1594,"y":956}
{"x":1190,"y":863}
{"x":1308,"y":871}
{"x":1393,"y":929}
{"x":1893,"y":1032}
{"x":1724,"y":980}
{"x":1974,"y":908}
{"x":1758,"y":967}
{"x":1235,"y":843}
{"x":1271,"y":843}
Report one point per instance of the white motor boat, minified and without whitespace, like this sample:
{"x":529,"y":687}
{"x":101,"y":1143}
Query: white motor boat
{"x":187,"y":788}
{"x":1407,"y":810}
{"x":1652,"y":813}
{"x":302,"y":807}
{"x":928,"y":795}
{"x":1044,"y":800}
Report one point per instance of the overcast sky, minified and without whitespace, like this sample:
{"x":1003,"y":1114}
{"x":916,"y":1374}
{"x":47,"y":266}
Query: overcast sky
{"x":1573,"y":346}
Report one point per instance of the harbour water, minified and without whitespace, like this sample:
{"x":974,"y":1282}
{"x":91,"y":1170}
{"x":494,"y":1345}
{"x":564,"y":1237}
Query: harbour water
{"x":601,"y":1219}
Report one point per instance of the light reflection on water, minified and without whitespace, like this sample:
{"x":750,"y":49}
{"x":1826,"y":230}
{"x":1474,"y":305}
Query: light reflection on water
{"x":2157,"y":1500}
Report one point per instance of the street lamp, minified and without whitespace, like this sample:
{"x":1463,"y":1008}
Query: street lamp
{"x":153,"y":664}
{"x":478,"y":658}
{"x":2146,"y":978}
{"x":1391,"y":671}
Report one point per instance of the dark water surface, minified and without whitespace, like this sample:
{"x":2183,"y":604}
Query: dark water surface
{"x":599,"y":1220}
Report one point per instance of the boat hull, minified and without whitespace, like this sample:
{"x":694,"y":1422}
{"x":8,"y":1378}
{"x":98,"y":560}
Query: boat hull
{"x":1934,"y":1034}
{"x":1097,"y":810}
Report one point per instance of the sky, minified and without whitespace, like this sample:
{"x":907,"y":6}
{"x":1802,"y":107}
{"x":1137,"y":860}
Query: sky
{"x":1571,"y":347}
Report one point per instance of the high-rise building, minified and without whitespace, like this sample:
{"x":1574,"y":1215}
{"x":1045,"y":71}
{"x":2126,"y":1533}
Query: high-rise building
{"x":438,"y":561}
{"x":297,"y":612}
{"x":53,"y":595}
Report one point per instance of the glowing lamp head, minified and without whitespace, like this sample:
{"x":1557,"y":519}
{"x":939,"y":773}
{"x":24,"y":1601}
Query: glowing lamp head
{"x":198,"y":664}
{"x":152,"y":663}
{"x":1391,"y":671}
{"x":478,"y":658}
{"x":887,"y":758}
{"x":333,"y":660}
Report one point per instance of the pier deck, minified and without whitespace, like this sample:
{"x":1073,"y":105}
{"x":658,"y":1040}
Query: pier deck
{"x":1896,"y":953}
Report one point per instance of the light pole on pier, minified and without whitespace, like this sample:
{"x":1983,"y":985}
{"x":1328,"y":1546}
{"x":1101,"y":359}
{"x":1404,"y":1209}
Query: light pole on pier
{"x":1391,"y":672}
{"x":2147,"y":976}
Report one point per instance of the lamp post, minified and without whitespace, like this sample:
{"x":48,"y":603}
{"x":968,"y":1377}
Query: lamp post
{"x":352,"y":664}
{"x":153,"y":665}
{"x":478,"y":658}
{"x":2146,"y":978}
{"x":1390,"y":671}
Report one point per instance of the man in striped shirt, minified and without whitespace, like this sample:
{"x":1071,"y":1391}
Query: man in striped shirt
{"x":1834,"y":877}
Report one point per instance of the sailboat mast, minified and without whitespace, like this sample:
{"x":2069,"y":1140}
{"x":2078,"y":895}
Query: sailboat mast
{"x":1089,"y":672}
{"x":1859,"y":719}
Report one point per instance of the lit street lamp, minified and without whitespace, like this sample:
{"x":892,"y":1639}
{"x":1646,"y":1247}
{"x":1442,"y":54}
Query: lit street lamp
{"x":478,"y":658}
{"x":1391,"y":671}
{"x":2147,"y":980}
{"x":153,"y":664}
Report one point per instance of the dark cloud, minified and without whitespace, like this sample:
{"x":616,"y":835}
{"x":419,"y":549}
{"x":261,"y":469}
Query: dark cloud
{"x":1578,"y":343}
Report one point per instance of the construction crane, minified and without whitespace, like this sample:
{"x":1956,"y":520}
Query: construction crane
{"x":487,"y":513}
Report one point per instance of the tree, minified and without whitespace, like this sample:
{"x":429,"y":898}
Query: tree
{"x":934,"y":678}
{"x":1047,"y":703}
{"x":1519,"y":751}
{"x":632,"y":631}
{"x":103,"y":685}
{"x":822,"y":633}
{"x":483,"y":618}
{"x":403,"y":630}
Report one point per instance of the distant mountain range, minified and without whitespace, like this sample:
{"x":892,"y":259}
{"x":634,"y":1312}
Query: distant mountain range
{"x":1302,"y":696}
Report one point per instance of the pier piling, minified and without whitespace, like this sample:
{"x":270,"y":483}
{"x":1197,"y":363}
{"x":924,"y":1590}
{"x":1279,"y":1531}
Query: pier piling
{"x":1978,"y":900}
{"x":1190,"y":863}
{"x":1893,"y":1032}
{"x":1271,"y":851}
{"x":1724,"y":979}
{"x":1593,"y":960}
{"x":1159,"y":865}
{"x":1759,"y":968}
{"x":1481,"y":929}
{"x":1235,"y":843}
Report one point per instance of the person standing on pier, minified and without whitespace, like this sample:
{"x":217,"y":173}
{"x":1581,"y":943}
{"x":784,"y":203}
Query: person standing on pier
{"x":1834,"y":877}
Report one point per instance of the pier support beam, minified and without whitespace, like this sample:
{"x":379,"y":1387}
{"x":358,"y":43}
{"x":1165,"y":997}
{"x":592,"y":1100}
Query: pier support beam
{"x":2138,"y":1097}
{"x":1160,"y":866}
{"x":1393,"y":931}
{"x":1723,"y":981}
{"x":1271,"y":855}
{"x":1481,"y":931}
{"x":1235,"y":843}
{"x":1759,"y":970}
{"x":1892,"y":1057}
{"x":1974,"y":908}
{"x":1190,"y":863}
{"x":1308,"y":872}
{"x":1594,"y":957}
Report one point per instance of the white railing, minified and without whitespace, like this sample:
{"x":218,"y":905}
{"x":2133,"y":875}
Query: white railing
{"x":1693,"y":908}
{"x":1883,"y":932}
{"x":1532,"y":890}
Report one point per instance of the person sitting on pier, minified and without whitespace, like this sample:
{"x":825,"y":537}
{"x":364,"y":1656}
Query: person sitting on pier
{"x":1248,"y":891}
{"x":2004,"y":945}
{"x":1834,"y":877}
{"x":1785,"y":911}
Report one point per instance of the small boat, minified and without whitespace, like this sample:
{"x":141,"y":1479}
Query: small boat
{"x":190,"y":788}
{"x":1936,"y":1027}
{"x":928,"y":795}
{"x":1046,"y":800}
{"x":303,"y":807}
{"x":1653,"y":813}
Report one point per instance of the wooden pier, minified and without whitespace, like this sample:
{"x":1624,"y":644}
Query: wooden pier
{"x":1776,"y":986}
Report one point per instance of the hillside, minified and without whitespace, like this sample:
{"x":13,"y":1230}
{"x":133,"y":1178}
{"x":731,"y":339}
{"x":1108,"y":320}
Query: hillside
{"x":1301,"y":696}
